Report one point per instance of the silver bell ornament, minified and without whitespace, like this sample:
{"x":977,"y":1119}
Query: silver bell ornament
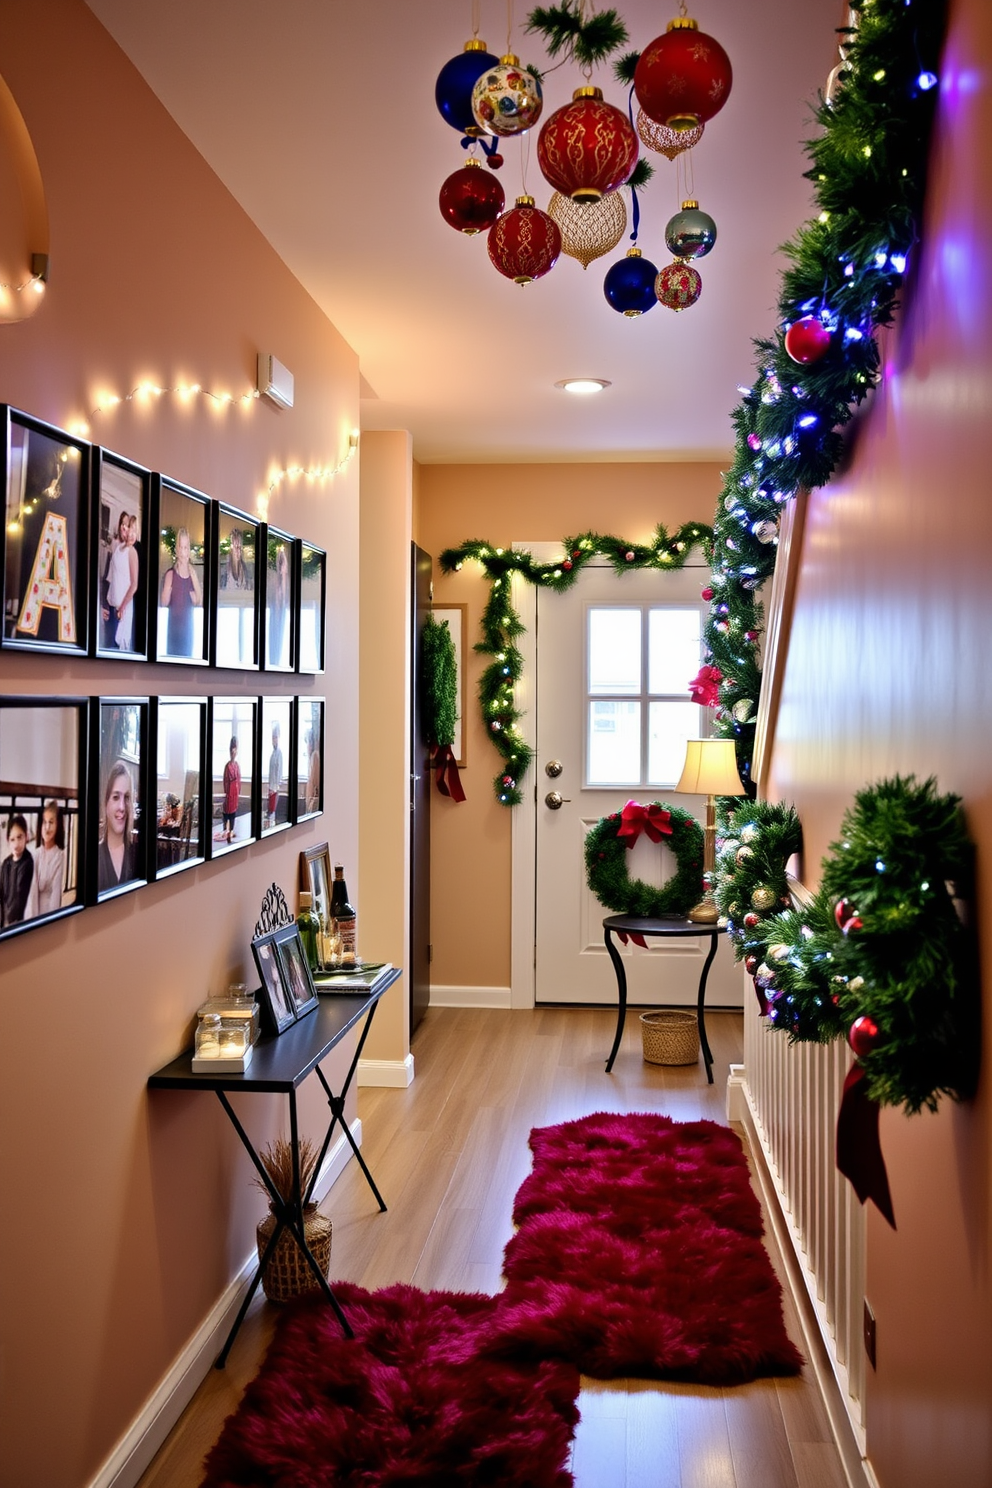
{"x":690,"y":233}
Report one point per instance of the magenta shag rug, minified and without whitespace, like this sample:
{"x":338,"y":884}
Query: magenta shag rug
{"x":638,"y":1253}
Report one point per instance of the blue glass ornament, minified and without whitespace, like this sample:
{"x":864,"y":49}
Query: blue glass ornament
{"x":455,"y":81}
{"x":629,"y":284}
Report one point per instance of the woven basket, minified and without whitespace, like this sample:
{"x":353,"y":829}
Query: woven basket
{"x":287,"y":1274}
{"x":670,"y":1037}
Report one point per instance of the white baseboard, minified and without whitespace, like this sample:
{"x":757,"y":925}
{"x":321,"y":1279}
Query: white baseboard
{"x":160,"y":1412}
{"x":397,"y":1074}
{"x":470,"y":997}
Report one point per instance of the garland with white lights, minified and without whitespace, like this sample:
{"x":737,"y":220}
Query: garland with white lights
{"x":501,"y":624}
{"x":846,"y":270}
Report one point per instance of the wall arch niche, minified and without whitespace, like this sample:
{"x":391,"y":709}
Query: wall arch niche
{"x":24,"y":213}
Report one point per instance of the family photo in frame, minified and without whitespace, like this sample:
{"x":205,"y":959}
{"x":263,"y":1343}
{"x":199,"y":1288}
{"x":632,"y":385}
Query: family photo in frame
{"x":121,"y":852}
{"x":288,"y":990}
{"x":309,"y":757}
{"x":180,"y":754}
{"x":123,"y":494}
{"x":236,"y":590}
{"x":313,"y":576}
{"x":184,"y":523}
{"x":276,"y":756}
{"x":46,"y":536}
{"x":42,"y":746}
{"x":280,"y":590}
{"x":232,"y":773}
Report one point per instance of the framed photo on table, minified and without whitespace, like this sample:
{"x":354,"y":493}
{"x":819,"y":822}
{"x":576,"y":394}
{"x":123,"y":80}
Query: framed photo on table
{"x":182,"y":575}
{"x":237,"y":589}
{"x":118,"y":797}
{"x":315,"y":879}
{"x":275,"y":754}
{"x":122,"y":533}
{"x":46,"y":477}
{"x":277,"y":1004}
{"x":309,"y":735}
{"x":278,"y":605}
{"x":233,"y":772}
{"x":310,"y":608}
{"x":179,"y":751}
{"x":296,"y":970}
{"x":43,"y":750}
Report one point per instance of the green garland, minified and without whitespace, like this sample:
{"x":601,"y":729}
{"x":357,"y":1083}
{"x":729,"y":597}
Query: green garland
{"x":882,"y":942}
{"x":502,"y":625}
{"x":608,"y":877}
{"x":756,"y":840}
{"x":440,"y":681}
{"x":846,"y":267}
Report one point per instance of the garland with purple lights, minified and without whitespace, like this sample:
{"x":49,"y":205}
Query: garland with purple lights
{"x":846,"y":269}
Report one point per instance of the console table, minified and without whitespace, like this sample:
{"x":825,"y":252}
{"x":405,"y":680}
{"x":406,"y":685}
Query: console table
{"x":279,"y":1066}
{"x":628,"y":926}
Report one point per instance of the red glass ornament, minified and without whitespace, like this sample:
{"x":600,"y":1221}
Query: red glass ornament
{"x":847,"y":917}
{"x":470,"y":200}
{"x":684,"y":77}
{"x":807,"y":340}
{"x":751,"y":964}
{"x":678,"y":285}
{"x":525,"y":242}
{"x":587,"y":148}
{"x":863,"y":1036}
{"x":751,"y":920}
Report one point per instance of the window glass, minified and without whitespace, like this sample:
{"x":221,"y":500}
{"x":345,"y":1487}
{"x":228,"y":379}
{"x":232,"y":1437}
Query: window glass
{"x":614,"y":652}
{"x":614,"y":752}
{"x":670,"y":724}
{"x":673,"y":650}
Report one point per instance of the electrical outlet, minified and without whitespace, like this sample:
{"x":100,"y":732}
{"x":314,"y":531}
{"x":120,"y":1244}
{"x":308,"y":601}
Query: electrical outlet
{"x":869,"y":1329}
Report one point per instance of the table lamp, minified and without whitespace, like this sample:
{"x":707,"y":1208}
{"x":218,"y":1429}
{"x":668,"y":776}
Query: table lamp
{"x":710,"y":770}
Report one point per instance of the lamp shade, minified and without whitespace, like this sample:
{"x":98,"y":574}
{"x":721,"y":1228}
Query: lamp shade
{"x":710,"y":769}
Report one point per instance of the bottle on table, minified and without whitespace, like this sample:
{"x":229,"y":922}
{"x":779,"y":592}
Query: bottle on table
{"x":344,"y":918}
{"x":309,"y":927}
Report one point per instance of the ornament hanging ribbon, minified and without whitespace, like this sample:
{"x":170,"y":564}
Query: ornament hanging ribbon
{"x":446,"y":776}
{"x":859,"y":1152}
{"x":652,"y":819}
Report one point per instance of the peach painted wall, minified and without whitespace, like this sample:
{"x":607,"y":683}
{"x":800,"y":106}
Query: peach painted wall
{"x":888,"y":671}
{"x":125,"y":1216}
{"x":503,"y":504}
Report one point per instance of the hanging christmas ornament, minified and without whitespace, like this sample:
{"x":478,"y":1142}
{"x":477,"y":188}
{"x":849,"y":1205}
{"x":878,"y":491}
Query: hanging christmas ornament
{"x":678,"y":286}
{"x":525,"y":242}
{"x":470,"y":200}
{"x":690,"y":233}
{"x":455,"y":81}
{"x":587,"y":232}
{"x":849,"y":922}
{"x":587,"y":147}
{"x":766,"y":530}
{"x":629,"y":284}
{"x":665,"y":141}
{"x":750,"y":832}
{"x":763,"y":897}
{"x":507,"y":98}
{"x":807,"y":340}
{"x":863,"y":1036}
{"x":684,"y":77}
{"x":741,"y":712}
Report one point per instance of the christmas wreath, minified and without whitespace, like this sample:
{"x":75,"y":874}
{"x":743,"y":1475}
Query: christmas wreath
{"x":440,"y":704}
{"x":606,"y":861}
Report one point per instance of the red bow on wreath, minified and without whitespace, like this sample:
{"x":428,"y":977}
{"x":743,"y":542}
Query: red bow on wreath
{"x":653,"y":819}
{"x":446,"y":777}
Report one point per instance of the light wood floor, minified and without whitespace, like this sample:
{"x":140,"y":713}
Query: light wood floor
{"x":448,"y":1155}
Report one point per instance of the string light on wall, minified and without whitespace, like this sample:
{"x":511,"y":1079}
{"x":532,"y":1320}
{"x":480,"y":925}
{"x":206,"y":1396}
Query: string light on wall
{"x":144,"y":391}
{"x":36,"y":281}
{"x":316,"y":474}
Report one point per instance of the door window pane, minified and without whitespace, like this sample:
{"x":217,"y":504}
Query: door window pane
{"x":669,"y":726}
{"x":673,"y":649}
{"x":614,"y":743}
{"x":615,"y":652}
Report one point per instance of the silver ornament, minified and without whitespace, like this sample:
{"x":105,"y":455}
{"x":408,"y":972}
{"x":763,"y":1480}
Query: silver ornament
{"x":690,"y":233}
{"x":750,"y":832}
{"x":765,"y":531}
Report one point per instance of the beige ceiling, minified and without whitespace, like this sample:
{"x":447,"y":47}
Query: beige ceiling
{"x":319,"y":116}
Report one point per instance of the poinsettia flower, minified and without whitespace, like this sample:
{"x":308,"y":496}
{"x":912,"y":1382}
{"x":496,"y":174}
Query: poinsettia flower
{"x":705,"y":686}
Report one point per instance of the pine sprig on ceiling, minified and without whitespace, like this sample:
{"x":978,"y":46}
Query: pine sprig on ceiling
{"x":585,"y":41}
{"x":624,"y":68}
{"x":640,"y":175}
{"x":846,"y":267}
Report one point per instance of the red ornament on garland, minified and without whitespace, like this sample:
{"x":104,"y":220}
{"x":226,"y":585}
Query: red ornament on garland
{"x":471,"y":201}
{"x":678,"y":286}
{"x":587,"y":148}
{"x":863,"y":1036}
{"x":848,"y":920}
{"x":684,"y":77}
{"x":807,"y":340}
{"x":525,"y":242}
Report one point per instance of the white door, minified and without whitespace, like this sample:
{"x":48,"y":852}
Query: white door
{"x":614,"y":660}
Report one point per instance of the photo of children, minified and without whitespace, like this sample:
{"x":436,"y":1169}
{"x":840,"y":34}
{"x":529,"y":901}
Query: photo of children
{"x":179,"y":782}
{"x":237,"y":612}
{"x":232,"y":771}
{"x":39,"y":811}
{"x":276,"y":719}
{"x":121,"y":560}
{"x":181,"y":633}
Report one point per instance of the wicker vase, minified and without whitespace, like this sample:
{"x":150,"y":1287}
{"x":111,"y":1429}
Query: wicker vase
{"x":287,"y":1274}
{"x":670,"y":1037}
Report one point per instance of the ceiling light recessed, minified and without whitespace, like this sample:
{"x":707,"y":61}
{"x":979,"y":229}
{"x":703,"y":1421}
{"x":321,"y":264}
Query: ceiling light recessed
{"x":583,"y":384}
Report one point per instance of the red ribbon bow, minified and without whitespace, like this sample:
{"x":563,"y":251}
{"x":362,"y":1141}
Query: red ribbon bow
{"x":859,"y":1151}
{"x":653,"y":819}
{"x":446,"y":777}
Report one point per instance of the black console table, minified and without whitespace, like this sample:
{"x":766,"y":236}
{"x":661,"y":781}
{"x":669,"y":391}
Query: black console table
{"x":279,"y":1066}
{"x":627,"y":926}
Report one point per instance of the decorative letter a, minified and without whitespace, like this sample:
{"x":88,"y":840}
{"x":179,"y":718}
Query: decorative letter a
{"x":50,"y":583}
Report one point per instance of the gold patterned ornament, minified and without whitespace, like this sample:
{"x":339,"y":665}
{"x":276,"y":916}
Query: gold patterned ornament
{"x":662,"y":139}
{"x":763,"y":897}
{"x":588,"y":231}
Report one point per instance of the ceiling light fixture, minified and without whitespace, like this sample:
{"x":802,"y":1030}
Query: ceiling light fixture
{"x":583,"y":385}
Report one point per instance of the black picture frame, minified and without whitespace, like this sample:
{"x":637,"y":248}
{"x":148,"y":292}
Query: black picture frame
{"x":275,"y":757}
{"x":237,"y":587}
{"x":279,"y":612}
{"x":278,"y":1007}
{"x":44,"y":745}
{"x":297,"y":976}
{"x":311,"y":595}
{"x":46,"y":482}
{"x":119,"y":796}
{"x":122,"y":543}
{"x":308,"y":736}
{"x":232,"y":720}
{"x":180,"y":621}
{"x":178,"y":758}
